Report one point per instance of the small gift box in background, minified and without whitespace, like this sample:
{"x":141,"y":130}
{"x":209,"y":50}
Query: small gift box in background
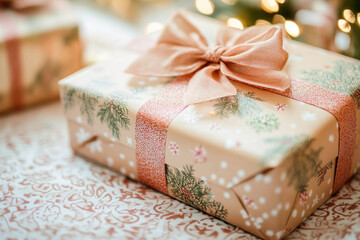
{"x":39,"y":45}
{"x":261,"y":157}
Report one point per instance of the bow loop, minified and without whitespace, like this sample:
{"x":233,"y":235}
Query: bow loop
{"x":254,"y":56}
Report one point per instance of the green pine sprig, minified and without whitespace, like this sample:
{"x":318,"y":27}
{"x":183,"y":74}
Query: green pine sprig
{"x":87,"y":104}
{"x":115,"y":115}
{"x":185,"y":187}
{"x":264,"y":123}
{"x":68,"y":98}
{"x":303,"y":163}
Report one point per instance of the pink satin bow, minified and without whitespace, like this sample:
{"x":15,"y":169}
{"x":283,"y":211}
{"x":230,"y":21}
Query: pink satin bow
{"x":254,"y":56}
{"x":22,"y":4}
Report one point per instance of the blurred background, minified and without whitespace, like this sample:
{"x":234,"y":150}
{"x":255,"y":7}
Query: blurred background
{"x":329,"y":24}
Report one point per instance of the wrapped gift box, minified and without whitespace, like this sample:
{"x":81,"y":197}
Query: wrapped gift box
{"x":258,"y":160}
{"x":38,"y":47}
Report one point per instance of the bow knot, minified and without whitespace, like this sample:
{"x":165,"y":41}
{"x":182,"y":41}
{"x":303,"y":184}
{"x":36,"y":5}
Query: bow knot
{"x":254,"y":56}
{"x":213,"y":54}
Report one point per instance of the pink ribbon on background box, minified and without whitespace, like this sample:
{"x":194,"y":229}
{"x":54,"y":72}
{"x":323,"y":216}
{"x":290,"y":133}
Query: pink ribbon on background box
{"x":12,"y":46}
{"x":254,"y":56}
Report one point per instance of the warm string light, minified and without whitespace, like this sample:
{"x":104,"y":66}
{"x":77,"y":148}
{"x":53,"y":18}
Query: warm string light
{"x":235,"y":23}
{"x":205,"y":6}
{"x":349,"y":15}
{"x":358,"y":18}
{"x":229,"y":2}
{"x":270,"y":6}
{"x":292,"y":28}
{"x":153,"y":27}
{"x":280,"y":1}
{"x":262,"y":22}
{"x":344,"y":25}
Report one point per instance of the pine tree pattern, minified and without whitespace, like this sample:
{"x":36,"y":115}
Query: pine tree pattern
{"x":322,"y":172}
{"x":303,"y":164}
{"x":264,"y":123}
{"x":244,"y":105}
{"x":68,"y":98}
{"x":185,"y":187}
{"x":344,"y":77}
{"x":87,"y":106}
{"x":280,"y":146}
{"x":50,"y":71}
{"x":115,"y":115}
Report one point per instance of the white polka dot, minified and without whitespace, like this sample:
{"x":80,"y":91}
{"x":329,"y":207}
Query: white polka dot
{"x":131,"y":175}
{"x":302,"y":213}
{"x":123,"y":170}
{"x":262,"y":200}
{"x":111,"y":145}
{"x":330,"y":192}
{"x":294,"y":213}
{"x":247,"y":223}
{"x":337,"y":125}
{"x":267,"y":179}
{"x":274,"y":212}
{"x":310,"y":193}
{"x":229,"y":185}
{"x":105,"y":134}
{"x":258,"y":177}
{"x":131,"y":163}
{"x":244,"y":214}
{"x":113,"y":139}
{"x":213,"y":176}
{"x":259,"y":220}
{"x":283,"y":176}
{"x":278,"y":190}
{"x":110,"y":161}
{"x":265,"y":215}
{"x":331,"y":138}
{"x":223,"y":164}
{"x":322,"y":195}
{"x":307,"y":206}
{"x":247,"y":188}
{"x":204,"y":179}
{"x":279,"y":206}
{"x":122,"y":156}
{"x":287,"y":206}
{"x":328,"y":181}
{"x":293,"y":125}
{"x":241,"y":173}
{"x":227,"y":195}
{"x":221,"y":181}
{"x":269,"y":233}
{"x":235,"y":180}
{"x":279,"y":234}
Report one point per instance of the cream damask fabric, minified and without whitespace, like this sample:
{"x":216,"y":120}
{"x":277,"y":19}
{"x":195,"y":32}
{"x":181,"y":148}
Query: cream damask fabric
{"x":47,"y":193}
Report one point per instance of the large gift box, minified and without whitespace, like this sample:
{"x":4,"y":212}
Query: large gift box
{"x":39,"y":45}
{"x":261,"y":151}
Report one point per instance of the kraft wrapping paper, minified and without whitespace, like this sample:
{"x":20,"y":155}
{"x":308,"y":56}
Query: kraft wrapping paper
{"x":257,"y":160}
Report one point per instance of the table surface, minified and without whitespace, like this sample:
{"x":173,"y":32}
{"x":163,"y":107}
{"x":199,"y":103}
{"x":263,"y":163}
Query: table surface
{"x":48,"y":193}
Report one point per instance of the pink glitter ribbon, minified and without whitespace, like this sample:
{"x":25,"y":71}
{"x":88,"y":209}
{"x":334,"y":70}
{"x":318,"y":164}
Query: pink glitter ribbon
{"x":343,"y":108}
{"x":152,"y":122}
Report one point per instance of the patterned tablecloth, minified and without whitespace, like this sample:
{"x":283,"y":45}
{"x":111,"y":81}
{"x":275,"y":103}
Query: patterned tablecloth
{"x":47,"y":193}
